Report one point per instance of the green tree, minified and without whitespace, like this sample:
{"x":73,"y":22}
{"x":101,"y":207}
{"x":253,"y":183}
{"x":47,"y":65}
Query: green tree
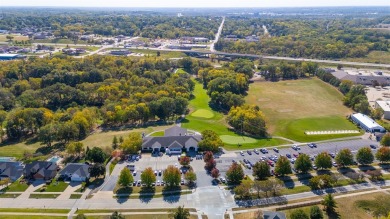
{"x":115,"y":143}
{"x":210,"y":141}
{"x":261,"y":170}
{"x":132,"y":144}
{"x":243,"y":190}
{"x":344,"y":157}
{"x":190,"y":176}
{"x":97,"y":170}
{"x":125,"y":177}
{"x":282,"y":166}
{"x":383,"y":154}
{"x":316,"y":213}
{"x":329,"y":203}
{"x":96,"y":155}
{"x":364,"y":156}
{"x":116,"y":215}
{"x":9,"y":37}
{"x":303,"y":163}
{"x":148,"y":177}
{"x":235,"y":174}
{"x":323,"y":161}
{"x":298,"y":214}
{"x":172,"y":176}
{"x":385,"y":141}
{"x":48,"y":134}
{"x":179,"y":213}
{"x":247,"y":118}
{"x":81,"y":216}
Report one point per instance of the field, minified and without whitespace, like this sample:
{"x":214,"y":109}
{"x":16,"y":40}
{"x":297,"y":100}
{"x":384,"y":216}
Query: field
{"x":293,"y":107}
{"x":346,"y":207}
{"x":373,"y":57}
{"x":16,"y":37}
{"x":202,"y":117}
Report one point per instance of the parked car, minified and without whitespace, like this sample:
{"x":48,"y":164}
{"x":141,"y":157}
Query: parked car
{"x":288,"y":155}
{"x":242,"y":153}
{"x":276,"y":150}
{"x":310,"y":145}
{"x":294,"y":147}
{"x":256,"y":151}
{"x":134,"y":172}
{"x":334,"y":164}
{"x":314,"y":145}
{"x":333,"y":155}
{"x":249,"y":152}
{"x":372,"y":146}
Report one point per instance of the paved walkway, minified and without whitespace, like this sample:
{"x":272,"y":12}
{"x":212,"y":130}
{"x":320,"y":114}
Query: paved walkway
{"x":69,"y":190}
{"x":32,"y":188}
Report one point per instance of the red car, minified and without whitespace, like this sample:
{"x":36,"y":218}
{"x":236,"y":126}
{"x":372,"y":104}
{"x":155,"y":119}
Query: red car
{"x":295,"y":155}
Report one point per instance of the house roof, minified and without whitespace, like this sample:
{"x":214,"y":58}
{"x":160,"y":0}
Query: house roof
{"x":167,"y":141}
{"x":175,"y":131}
{"x":44,"y":168}
{"x":13,"y":170}
{"x":274,"y":215}
{"x":80,"y":169}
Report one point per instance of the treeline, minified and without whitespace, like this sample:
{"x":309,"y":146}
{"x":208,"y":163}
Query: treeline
{"x":228,"y":85}
{"x":317,"y":38}
{"x":355,"y":96}
{"x":287,"y":71}
{"x":71,"y":25}
{"x":63,"y":99}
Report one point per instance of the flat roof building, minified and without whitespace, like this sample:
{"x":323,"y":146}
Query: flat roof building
{"x":385,"y":106}
{"x":366,"y":123}
{"x":6,"y":56}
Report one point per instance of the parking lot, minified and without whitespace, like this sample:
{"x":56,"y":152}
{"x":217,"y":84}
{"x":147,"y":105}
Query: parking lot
{"x":158,"y":164}
{"x":330,"y":147}
{"x":224,"y":162}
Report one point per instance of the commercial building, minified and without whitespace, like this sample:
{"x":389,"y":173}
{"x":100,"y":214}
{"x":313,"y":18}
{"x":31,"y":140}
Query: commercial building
{"x":385,"y":106}
{"x":6,"y":56}
{"x":375,"y":78}
{"x":366,"y":123}
{"x":174,"y":141}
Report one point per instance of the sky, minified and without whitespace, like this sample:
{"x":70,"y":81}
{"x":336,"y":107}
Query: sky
{"x":194,"y":3}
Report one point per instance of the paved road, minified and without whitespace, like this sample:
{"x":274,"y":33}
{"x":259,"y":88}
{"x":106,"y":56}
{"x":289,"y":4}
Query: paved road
{"x":212,"y":49}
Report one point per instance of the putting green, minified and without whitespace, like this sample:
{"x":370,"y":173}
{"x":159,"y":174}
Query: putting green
{"x":230,"y":139}
{"x":203,"y":113}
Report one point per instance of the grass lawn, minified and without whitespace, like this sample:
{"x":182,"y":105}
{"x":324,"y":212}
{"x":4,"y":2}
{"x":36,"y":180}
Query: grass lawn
{"x":86,"y":211}
{"x":31,"y":217}
{"x":316,"y":106}
{"x":55,"y":186}
{"x":75,"y":196}
{"x":202,"y":120}
{"x":135,"y":216}
{"x":17,"y":149}
{"x":17,"y":37}
{"x":157,"y":134}
{"x":246,"y":215}
{"x":180,"y":70}
{"x":346,"y":207}
{"x":373,"y":57}
{"x":104,"y":138}
{"x":163,"y":54}
{"x":16,"y":187}
{"x":7,"y":195}
{"x":112,"y":165}
{"x":44,"y":196}
{"x":35,"y":210}
{"x":295,"y":190}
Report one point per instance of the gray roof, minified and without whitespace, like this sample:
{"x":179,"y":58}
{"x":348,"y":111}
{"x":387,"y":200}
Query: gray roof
{"x":175,"y":131}
{"x":274,"y":215}
{"x":361,"y":79}
{"x":12,"y":170}
{"x":44,"y":168}
{"x":167,"y":141}
{"x":80,"y":169}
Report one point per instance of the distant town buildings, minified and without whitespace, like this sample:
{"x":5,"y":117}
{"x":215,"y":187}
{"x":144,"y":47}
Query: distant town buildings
{"x":385,"y":106}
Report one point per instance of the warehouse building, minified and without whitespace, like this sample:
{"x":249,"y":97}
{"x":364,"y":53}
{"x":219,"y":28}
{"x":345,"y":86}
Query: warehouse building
{"x":366,"y":123}
{"x":385,"y":106}
{"x":6,"y":56}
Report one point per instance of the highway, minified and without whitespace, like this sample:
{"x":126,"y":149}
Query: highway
{"x":212,"y":49}
{"x":363,"y":64}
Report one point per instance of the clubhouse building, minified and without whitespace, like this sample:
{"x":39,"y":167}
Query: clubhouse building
{"x":175,"y":141}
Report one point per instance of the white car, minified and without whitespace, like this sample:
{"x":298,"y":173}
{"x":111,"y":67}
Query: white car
{"x":134,"y":172}
{"x":242,"y":153}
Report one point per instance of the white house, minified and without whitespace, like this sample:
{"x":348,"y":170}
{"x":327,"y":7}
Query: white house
{"x":366,"y":123}
{"x":75,"y":172}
